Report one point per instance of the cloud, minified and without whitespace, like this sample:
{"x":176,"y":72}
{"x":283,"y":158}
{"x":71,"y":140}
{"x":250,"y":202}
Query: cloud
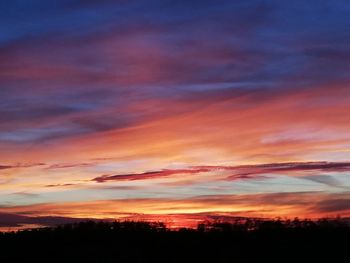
{"x":16,"y":220}
{"x":244,"y":172}
{"x":190,"y":82}
{"x":58,"y":185}
{"x":69,"y":165}
{"x":132,"y":50}
{"x":337,"y":205}
{"x":11,"y":220}
{"x":285,"y":204}
{"x":321,"y":166}
{"x":21,"y":165}
{"x":3,"y":167}
{"x":27,"y":195}
{"x":147,"y":175}
{"x":325,"y":179}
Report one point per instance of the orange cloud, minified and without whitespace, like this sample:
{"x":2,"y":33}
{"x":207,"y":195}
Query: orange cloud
{"x":226,"y":129}
{"x":304,"y":204}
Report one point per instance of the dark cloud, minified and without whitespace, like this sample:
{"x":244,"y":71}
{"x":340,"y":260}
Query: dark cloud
{"x":20,"y":165}
{"x":245,"y":172}
{"x":17,"y":220}
{"x":302,"y":166}
{"x":11,"y":220}
{"x":3,"y":167}
{"x":333,"y":205}
{"x":146,"y":175}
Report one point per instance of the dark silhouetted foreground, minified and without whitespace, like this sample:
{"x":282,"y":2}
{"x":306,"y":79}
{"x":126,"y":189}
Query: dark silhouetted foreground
{"x":242,"y":241}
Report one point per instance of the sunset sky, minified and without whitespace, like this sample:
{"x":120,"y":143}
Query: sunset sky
{"x":174,"y":110}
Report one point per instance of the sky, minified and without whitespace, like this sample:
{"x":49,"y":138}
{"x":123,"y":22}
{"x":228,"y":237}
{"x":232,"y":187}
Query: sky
{"x":174,"y":110}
